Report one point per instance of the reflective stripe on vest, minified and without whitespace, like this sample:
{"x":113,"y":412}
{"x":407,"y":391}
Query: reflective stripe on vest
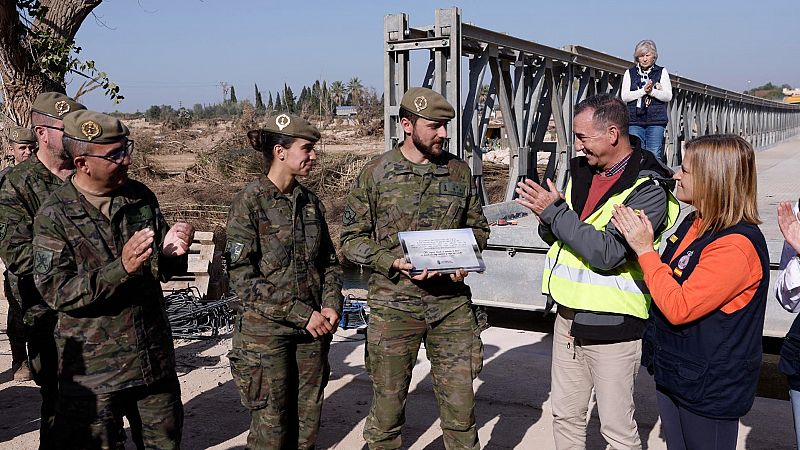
{"x":572,"y":282}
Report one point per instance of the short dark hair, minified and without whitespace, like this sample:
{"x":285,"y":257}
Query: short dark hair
{"x":406,"y":114}
{"x":607,"y":110}
{"x":39,"y":119}
{"x":264,"y":141}
{"x":74,"y":147}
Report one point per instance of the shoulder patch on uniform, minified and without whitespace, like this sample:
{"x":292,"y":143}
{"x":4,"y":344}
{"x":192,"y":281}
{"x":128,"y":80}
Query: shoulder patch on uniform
{"x":42,"y":261}
{"x":3,"y":228}
{"x":348,"y":216}
{"x":452,"y":188}
{"x":235,"y":250}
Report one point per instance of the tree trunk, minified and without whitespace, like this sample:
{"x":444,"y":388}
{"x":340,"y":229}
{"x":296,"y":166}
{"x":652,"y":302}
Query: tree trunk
{"x":22,"y":80}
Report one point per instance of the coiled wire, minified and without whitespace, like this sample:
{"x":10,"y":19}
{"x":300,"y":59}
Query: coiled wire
{"x":191,"y":318}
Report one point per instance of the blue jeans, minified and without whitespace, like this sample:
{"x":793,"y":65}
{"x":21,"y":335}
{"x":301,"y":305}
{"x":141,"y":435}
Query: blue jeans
{"x":652,"y":138}
{"x":794,"y":396}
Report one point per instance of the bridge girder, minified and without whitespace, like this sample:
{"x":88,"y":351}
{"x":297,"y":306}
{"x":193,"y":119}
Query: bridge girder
{"x":530,"y":84}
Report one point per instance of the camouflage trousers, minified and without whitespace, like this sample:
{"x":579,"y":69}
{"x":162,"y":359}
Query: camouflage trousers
{"x":94,"y":421}
{"x":15,"y":327}
{"x":455,"y":350}
{"x":281,"y":380}
{"x":43,"y":362}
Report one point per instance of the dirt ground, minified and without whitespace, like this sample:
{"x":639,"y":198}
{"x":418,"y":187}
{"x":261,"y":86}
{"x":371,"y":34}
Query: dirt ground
{"x":512,"y":396}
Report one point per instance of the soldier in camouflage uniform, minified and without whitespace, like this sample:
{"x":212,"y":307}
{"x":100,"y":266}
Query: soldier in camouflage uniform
{"x":416,"y":186}
{"x":284,"y":268}
{"x":24,"y":189}
{"x":21,"y":145}
{"x":101,"y":247}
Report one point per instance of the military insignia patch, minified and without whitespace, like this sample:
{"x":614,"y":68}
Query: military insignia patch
{"x":3,"y":228}
{"x":14,"y":135}
{"x":91,"y":129}
{"x":348,"y":216}
{"x":42,"y":261}
{"x":235,"y":250}
{"x":282,"y":121}
{"x":420,"y":103}
{"x":62,"y":107}
{"x":451,"y":188}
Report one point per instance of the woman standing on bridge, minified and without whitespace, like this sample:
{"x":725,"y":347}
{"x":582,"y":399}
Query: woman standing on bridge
{"x":284,"y":268}
{"x":709,"y":289}
{"x":647,"y":90}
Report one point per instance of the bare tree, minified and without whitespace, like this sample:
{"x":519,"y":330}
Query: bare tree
{"x":37,"y":47}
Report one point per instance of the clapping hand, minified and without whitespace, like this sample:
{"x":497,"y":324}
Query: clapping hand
{"x":789,"y":225}
{"x":635,"y":228}
{"x":535,"y":197}
{"x":136,"y":251}
{"x":178,"y":240}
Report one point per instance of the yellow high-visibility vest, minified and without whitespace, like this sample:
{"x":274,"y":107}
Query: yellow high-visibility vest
{"x":573,"y":283}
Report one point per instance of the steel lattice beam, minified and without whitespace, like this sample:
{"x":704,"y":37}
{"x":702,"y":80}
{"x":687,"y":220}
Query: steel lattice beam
{"x":532,"y":84}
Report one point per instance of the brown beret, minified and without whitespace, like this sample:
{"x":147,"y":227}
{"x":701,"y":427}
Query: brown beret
{"x":427,"y":104}
{"x":55,"y":104}
{"x":94,"y":127}
{"x":21,"y":135}
{"x":291,"y":125}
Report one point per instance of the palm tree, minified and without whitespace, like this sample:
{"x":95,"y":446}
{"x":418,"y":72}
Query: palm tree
{"x":337,"y":92}
{"x":356,"y":91}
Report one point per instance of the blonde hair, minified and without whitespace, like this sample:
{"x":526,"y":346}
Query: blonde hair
{"x":724,"y":182}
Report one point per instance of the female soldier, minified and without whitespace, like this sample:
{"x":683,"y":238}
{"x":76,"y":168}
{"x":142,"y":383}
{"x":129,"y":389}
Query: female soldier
{"x":283,"y":266}
{"x":703,"y":341}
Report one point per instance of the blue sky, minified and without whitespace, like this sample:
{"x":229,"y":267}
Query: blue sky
{"x":177,"y":51}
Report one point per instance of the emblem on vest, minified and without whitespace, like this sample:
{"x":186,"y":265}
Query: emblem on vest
{"x":682,"y":263}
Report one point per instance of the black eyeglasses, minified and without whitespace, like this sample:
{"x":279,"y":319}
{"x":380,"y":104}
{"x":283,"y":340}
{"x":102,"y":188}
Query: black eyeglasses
{"x":118,"y":156}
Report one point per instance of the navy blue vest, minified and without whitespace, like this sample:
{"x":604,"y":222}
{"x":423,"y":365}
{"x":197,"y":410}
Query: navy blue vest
{"x":656,"y":113}
{"x":709,"y":366}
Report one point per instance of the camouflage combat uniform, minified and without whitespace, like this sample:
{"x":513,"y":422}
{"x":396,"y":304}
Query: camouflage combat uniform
{"x":15,"y":328}
{"x":114,"y":339}
{"x":390,"y":195}
{"x":283,"y":266}
{"x":25,"y":187}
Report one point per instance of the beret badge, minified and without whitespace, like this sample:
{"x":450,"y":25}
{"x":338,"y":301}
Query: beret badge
{"x":91,"y":129}
{"x":420,"y":103}
{"x":282,"y":121}
{"x":14,"y":135}
{"x":62,"y":107}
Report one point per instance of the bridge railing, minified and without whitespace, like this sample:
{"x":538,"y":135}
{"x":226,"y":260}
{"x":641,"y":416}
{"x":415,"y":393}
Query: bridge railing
{"x":534,"y":87}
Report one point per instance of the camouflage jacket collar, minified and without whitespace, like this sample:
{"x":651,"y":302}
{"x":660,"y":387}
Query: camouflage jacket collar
{"x":400,"y":165}
{"x":41,"y":171}
{"x":299,"y":192}
{"x":74,"y":207}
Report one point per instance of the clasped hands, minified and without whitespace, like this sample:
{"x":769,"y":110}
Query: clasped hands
{"x":139,"y":247}
{"x":323,"y":322}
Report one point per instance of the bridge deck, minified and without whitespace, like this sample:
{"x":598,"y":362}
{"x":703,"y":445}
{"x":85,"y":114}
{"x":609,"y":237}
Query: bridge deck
{"x":778,"y":180}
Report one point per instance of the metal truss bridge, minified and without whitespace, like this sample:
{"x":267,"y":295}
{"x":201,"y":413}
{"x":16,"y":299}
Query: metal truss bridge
{"x":532,"y":84}
{"x":535,"y":88}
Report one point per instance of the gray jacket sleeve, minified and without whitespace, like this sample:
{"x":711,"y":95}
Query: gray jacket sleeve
{"x":603,"y":250}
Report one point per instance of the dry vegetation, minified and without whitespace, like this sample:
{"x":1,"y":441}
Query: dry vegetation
{"x":196,"y":172}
